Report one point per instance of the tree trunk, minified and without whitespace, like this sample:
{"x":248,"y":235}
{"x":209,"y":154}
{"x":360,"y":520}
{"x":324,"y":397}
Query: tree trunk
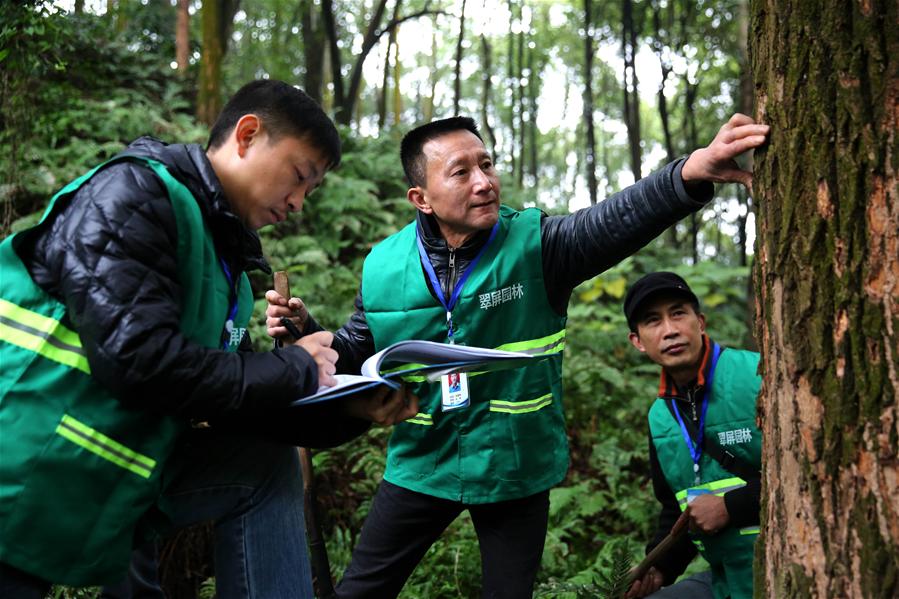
{"x":520,"y":86}
{"x":385,"y":81}
{"x":313,"y":50}
{"x":486,"y":93}
{"x":457,"y":80}
{"x":533,"y":90}
{"x":428,"y":112}
{"x":397,"y":73}
{"x":182,"y":37}
{"x":79,"y":7}
{"x":827,"y":190}
{"x":209,"y":98}
{"x":590,"y":149}
{"x":631,"y":97}
{"x":689,"y":127}
{"x":217,"y":18}
{"x":334,"y":58}
{"x":510,"y":77}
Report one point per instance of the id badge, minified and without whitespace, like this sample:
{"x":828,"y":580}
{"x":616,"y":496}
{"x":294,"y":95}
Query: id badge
{"x":694,"y":493}
{"x":454,"y":387}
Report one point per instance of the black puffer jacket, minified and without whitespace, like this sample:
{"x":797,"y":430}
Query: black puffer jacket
{"x":576,"y":247}
{"x":110,"y":257}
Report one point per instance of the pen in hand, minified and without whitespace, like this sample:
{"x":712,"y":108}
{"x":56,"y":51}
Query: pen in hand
{"x":291,"y":328}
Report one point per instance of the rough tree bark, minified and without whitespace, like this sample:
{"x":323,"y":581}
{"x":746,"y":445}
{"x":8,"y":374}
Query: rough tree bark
{"x":827,"y":189}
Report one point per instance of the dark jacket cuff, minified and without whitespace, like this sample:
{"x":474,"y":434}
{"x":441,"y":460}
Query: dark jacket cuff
{"x":743,"y":504}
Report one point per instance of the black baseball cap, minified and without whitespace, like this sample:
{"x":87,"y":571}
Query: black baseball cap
{"x":649,"y":286}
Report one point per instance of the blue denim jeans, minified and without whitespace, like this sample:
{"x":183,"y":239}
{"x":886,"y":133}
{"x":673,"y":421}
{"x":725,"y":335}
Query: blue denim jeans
{"x":697,"y":586}
{"x":253,"y":491}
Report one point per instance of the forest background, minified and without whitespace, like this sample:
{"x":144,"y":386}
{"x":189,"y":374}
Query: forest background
{"x":576,"y":99}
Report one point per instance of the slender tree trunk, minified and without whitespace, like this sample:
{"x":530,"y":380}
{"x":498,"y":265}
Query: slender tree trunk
{"x":827,"y":190}
{"x":397,"y":74}
{"x":182,"y":37}
{"x":486,"y":93}
{"x":661,"y":44}
{"x":689,"y":126}
{"x":334,"y":57}
{"x":209,"y":98}
{"x":345,"y":111}
{"x":391,"y":40}
{"x":217,"y":18}
{"x":435,"y":75}
{"x":313,"y":50}
{"x":533,"y":87}
{"x":522,"y":91}
{"x":590,"y":149}
{"x":631,"y":97}
{"x":511,"y":72}
{"x":457,"y":79}
{"x":79,"y":7}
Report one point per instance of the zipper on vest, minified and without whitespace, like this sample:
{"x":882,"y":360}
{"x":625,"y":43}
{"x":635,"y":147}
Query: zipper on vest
{"x":451,"y":277}
{"x":692,"y":398}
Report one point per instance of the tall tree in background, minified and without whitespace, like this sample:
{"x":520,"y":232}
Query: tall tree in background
{"x":631,"y":95}
{"x":590,"y":148}
{"x":520,"y":85}
{"x":182,"y":37}
{"x":345,"y":98}
{"x":512,"y":88}
{"x":457,"y":80}
{"x":217,"y":20}
{"x":385,"y":81}
{"x":827,"y":81}
{"x":313,"y":49}
{"x":487,"y":92}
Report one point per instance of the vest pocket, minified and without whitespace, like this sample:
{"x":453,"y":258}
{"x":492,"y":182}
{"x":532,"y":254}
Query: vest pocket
{"x":414,"y":447}
{"x":527,"y":437}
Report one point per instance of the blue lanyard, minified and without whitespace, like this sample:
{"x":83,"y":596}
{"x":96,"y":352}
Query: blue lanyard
{"x":696,"y":448}
{"x":457,"y":290}
{"x":232,"y":305}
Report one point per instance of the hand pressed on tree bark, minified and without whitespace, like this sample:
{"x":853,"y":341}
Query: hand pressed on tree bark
{"x":716,"y":163}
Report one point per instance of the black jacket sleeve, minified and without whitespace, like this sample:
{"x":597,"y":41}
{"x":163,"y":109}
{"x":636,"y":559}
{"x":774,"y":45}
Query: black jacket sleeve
{"x":744,"y":504}
{"x":579,"y":246}
{"x":110,"y":257}
{"x":353,"y":341}
{"x":675,"y":561}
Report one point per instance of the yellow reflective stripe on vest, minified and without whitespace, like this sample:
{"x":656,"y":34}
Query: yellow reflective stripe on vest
{"x":421,"y":418}
{"x":750,"y":530}
{"x":42,"y":335}
{"x":101,"y":445}
{"x":717,"y":487}
{"x":521,"y":407}
{"x":551,"y":344}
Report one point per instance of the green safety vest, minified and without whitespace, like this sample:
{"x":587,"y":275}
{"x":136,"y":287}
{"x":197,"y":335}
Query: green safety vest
{"x":731,"y":421}
{"x":510,"y":441}
{"x":78,"y":470}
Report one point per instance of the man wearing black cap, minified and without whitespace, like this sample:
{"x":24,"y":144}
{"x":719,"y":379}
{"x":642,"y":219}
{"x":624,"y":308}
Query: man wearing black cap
{"x":704,"y":449}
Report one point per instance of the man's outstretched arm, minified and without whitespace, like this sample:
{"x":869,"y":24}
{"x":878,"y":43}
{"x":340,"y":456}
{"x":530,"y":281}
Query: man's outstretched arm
{"x":579,"y":246}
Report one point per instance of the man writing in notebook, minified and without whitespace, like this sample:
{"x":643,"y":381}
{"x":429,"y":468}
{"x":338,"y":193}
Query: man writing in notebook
{"x":704,"y":448}
{"x":470,"y":271}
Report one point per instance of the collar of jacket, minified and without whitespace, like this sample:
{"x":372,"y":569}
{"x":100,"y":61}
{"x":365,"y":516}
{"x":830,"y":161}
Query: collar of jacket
{"x":438,"y":250}
{"x":668,"y":389}
{"x":188,"y":163}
